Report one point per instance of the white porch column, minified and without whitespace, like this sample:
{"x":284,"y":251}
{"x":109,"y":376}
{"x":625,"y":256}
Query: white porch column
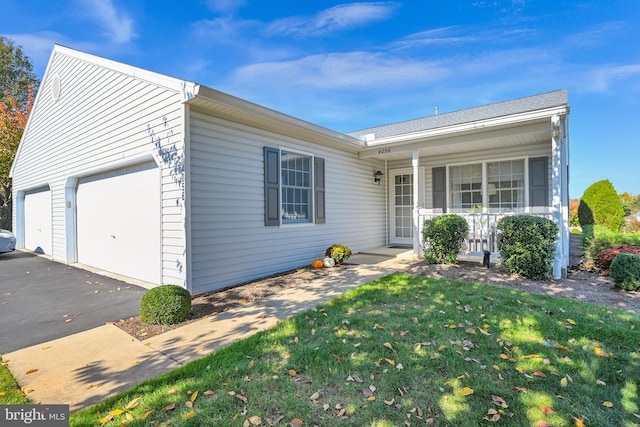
{"x":417,"y":249}
{"x":558,"y":195}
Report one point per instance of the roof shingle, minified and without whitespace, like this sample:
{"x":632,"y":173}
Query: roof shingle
{"x":521,"y":105}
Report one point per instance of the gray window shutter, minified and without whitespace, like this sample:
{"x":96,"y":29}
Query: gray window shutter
{"x":538,"y":181}
{"x":439,"y":188}
{"x":318,"y":167}
{"x":271,"y":186}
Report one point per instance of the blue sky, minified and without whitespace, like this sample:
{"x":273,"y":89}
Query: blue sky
{"x":349,"y":66}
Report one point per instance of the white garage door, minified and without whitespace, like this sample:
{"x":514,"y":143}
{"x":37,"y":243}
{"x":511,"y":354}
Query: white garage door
{"x":118,"y":222}
{"x":37,"y":221}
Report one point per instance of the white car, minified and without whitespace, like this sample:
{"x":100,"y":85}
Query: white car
{"x":7,"y":241}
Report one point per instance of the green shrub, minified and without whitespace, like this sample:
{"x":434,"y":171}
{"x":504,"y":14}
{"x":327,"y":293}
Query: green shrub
{"x":605,"y":205}
{"x":527,"y":245}
{"x":338,"y":252}
{"x":442,"y":237}
{"x":165,"y":305}
{"x":625,"y":271}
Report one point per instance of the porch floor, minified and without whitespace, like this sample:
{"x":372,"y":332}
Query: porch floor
{"x":384,"y":253}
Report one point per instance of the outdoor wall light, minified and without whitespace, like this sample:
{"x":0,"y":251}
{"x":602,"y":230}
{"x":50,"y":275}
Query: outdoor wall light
{"x":377,"y":177}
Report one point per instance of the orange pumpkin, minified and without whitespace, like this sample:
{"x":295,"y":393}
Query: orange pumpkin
{"x":317,"y":263}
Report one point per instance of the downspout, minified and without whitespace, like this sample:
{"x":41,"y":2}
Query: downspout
{"x":415,"y":161}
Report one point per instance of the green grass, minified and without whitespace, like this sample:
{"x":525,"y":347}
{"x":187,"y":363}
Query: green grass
{"x":403,"y":350}
{"x":10,"y":393}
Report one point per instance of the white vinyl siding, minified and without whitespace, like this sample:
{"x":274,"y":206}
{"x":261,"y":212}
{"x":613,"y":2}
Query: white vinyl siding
{"x":104,"y":119}
{"x":230,"y":243}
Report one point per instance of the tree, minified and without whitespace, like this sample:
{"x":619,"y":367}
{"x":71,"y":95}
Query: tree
{"x":603,"y":203}
{"x":17,"y":90}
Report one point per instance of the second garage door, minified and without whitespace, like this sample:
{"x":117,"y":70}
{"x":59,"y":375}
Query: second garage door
{"x":37,"y":221}
{"x":118,"y":222}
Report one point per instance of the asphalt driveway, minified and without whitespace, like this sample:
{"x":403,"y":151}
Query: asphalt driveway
{"x":41,"y":300}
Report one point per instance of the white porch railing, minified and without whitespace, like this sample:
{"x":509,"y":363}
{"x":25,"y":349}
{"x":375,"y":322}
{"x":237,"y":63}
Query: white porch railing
{"x":482,"y":234}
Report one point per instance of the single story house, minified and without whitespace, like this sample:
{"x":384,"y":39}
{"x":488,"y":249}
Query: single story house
{"x":171,"y":182}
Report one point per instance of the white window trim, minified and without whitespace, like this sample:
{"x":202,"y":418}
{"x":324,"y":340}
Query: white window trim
{"x":485,"y":189}
{"x":312,"y":221}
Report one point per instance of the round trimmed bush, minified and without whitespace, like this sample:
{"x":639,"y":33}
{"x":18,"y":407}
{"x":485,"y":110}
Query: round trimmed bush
{"x":625,"y":271}
{"x":527,"y":245}
{"x":338,"y":252}
{"x":165,"y":305}
{"x":443,"y":236}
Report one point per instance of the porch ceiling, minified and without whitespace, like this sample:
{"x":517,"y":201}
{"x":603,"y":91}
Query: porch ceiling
{"x":473,"y":139}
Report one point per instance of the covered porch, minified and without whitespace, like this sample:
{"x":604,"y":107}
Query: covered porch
{"x":482,"y":163}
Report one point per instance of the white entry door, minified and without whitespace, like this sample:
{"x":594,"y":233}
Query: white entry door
{"x":37,"y":221}
{"x":401,"y":207}
{"x":118,"y":222}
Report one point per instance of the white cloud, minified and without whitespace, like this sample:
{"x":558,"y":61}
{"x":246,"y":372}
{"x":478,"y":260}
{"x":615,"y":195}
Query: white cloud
{"x":116,"y":23}
{"x":436,"y":36}
{"x":603,"y":78}
{"x":338,"y":18}
{"x":224,"y":30}
{"x":342,"y":70}
{"x":596,"y":36}
{"x":225,"y":6}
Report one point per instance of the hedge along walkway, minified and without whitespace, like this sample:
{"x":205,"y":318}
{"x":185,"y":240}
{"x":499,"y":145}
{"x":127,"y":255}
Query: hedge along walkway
{"x":83,"y":369}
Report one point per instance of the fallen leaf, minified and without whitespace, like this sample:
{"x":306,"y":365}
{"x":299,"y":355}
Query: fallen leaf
{"x":190,"y":415}
{"x":255,"y":420}
{"x":106,"y":419}
{"x":170,"y":407}
{"x":194,"y":396}
{"x":315,"y":396}
{"x":389,"y":346}
{"x":209,"y":393}
{"x":171,"y":391}
{"x":293,"y":372}
{"x":241,"y":397}
{"x":563,"y":382}
{"x":573,"y":322}
{"x":607,"y":404}
{"x":539,"y":374}
{"x":542,"y":424}
{"x":466,"y":391}
{"x":521,"y":389}
{"x":578,"y":422}
{"x":250,"y":365}
{"x":599,"y":382}
{"x":499,"y":401}
{"x":116,"y":412}
{"x":133,"y":403}
{"x":296,"y":422}
{"x":31,"y":371}
{"x":546,"y":409}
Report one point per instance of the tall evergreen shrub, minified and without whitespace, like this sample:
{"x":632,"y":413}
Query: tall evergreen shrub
{"x":603,"y":203}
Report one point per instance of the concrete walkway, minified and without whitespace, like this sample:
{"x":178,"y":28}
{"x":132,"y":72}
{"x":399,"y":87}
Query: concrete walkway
{"x":83,"y":369}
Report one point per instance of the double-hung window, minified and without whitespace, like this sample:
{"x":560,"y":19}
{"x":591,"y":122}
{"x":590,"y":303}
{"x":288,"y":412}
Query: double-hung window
{"x":498,"y":186}
{"x":294,"y":187}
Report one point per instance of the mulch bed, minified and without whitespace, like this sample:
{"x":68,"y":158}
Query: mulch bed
{"x":584,"y":283}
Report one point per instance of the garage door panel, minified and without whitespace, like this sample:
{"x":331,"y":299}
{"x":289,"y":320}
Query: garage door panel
{"x":37,"y":221}
{"x":118,"y":223}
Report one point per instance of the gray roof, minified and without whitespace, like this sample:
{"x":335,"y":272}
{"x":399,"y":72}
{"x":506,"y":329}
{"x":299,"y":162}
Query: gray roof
{"x":521,"y":105}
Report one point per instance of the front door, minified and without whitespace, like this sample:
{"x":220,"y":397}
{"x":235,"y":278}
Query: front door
{"x":401,"y":192}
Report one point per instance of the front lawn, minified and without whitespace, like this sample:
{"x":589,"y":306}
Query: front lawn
{"x":408,"y":351}
{"x":10,"y":393}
